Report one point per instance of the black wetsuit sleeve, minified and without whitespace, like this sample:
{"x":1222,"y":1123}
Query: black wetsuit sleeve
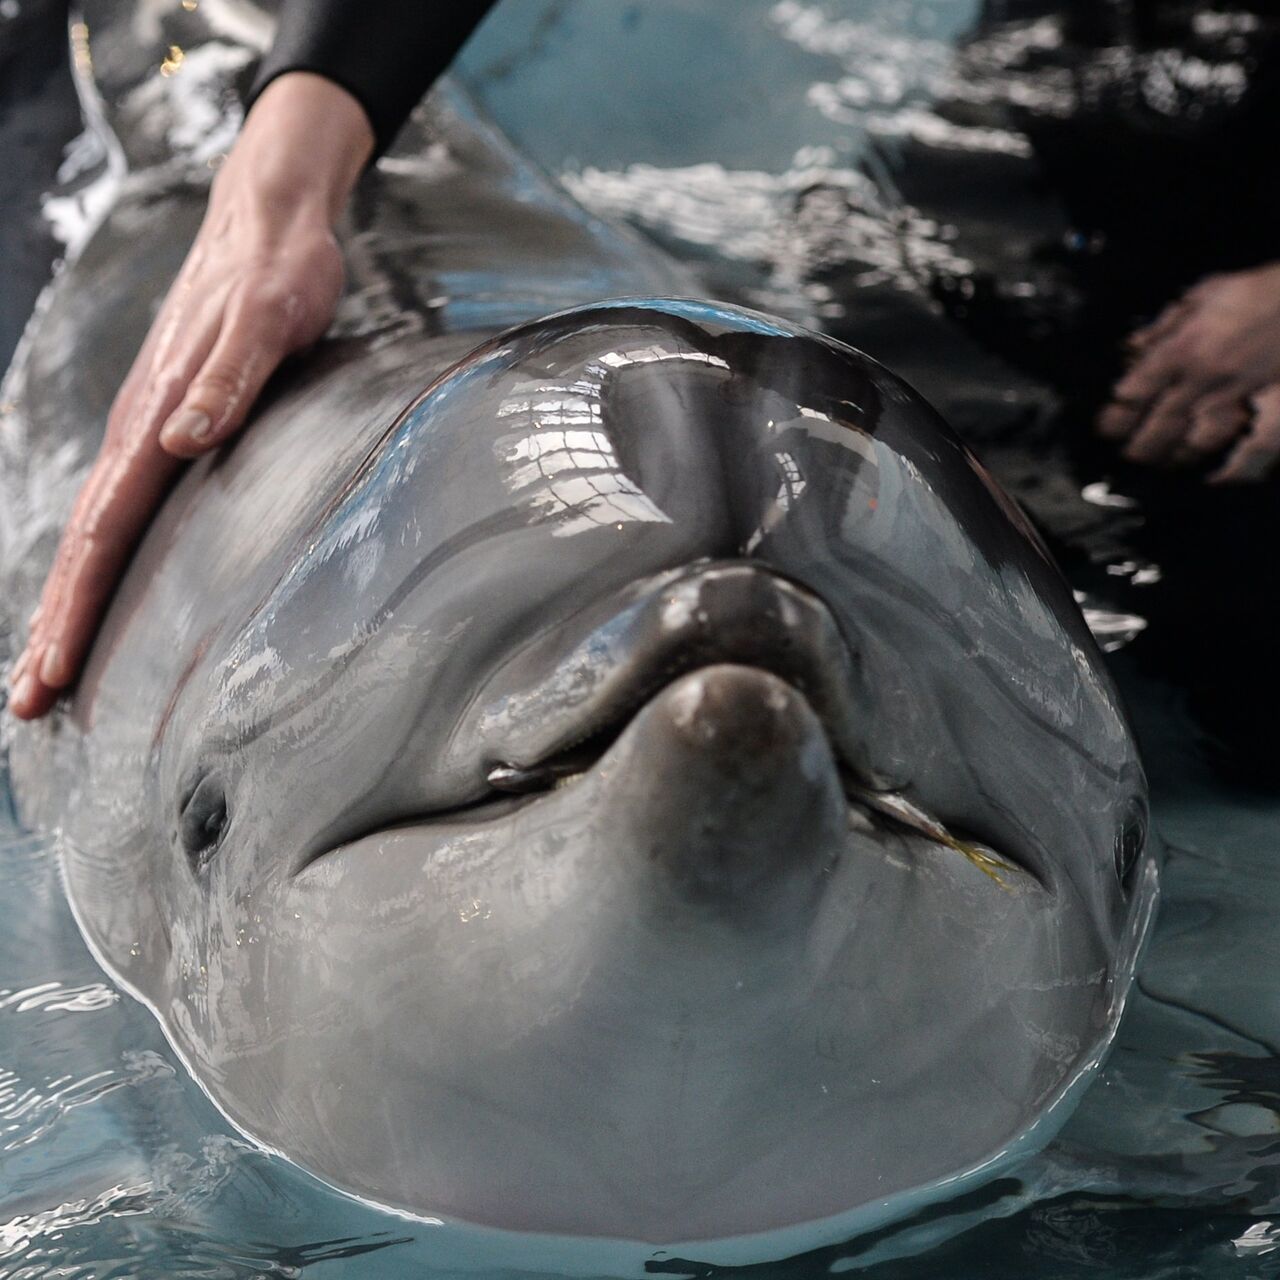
{"x":385,"y":53}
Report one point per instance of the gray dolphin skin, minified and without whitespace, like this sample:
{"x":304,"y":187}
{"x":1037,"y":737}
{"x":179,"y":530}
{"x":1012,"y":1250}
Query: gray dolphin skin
{"x":654,"y":785}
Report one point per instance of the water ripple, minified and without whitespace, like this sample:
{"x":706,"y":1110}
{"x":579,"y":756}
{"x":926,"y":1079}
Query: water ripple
{"x":55,"y":997}
{"x":28,"y":1110}
{"x":21,"y":1234}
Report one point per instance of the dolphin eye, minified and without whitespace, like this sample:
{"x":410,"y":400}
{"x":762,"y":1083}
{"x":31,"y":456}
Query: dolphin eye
{"x":1131,"y":839}
{"x":203,"y":820}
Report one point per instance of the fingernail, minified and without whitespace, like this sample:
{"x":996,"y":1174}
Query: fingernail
{"x":51,"y":667}
{"x":24,"y":691}
{"x":188,"y":424}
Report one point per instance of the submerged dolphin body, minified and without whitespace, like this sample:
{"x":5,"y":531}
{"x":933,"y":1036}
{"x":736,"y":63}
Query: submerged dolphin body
{"x":654,"y":786}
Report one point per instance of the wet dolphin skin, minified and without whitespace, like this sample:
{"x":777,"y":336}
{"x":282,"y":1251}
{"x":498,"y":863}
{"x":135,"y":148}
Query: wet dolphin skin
{"x":655,"y":786}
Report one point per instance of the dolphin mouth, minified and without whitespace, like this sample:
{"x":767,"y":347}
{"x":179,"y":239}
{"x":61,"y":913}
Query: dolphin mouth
{"x":869,"y":807}
{"x":553,"y":717}
{"x":552,"y":706}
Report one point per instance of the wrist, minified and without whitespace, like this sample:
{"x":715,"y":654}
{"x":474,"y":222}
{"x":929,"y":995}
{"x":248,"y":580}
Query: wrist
{"x":303,"y":146}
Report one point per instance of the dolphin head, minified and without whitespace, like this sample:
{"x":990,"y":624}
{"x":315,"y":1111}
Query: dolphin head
{"x":662,"y":789}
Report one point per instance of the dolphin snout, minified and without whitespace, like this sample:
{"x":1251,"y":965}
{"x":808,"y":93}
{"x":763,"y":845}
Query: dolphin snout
{"x":742,"y":721}
{"x":564,"y":691}
{"x":727,"y":785}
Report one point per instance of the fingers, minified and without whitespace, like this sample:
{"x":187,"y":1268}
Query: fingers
{"x":1215,"y":422}
{"x":110,"y":515}
{"x":1117,"y":420}
{"x":125,"y":486}
{"x":1176,"y":405}
{"x":28,"y":698}
{"x":1205,"y":377}
{"x":265,"y":318}
{"x":1165,"y":426}
{"x":176,"y":344}
{"x":149,"y":398}
{"x":1161,"y":379}
{"x":1155,"y":373}
{"x":258,"y":331}
{"x":1256,"y":453}
{"x":1161,"y":327}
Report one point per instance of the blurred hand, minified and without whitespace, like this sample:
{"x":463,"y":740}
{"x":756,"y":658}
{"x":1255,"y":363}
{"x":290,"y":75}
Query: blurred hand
{"x":262,"y":280}
{"x":1206,"y":376}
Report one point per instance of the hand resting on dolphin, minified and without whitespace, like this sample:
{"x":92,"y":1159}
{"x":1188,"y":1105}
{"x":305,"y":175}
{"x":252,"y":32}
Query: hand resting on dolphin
{"x":655,"y":785}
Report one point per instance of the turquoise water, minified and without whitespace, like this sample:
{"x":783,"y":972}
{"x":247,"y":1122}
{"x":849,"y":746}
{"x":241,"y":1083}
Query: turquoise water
{"x":804,"y":156}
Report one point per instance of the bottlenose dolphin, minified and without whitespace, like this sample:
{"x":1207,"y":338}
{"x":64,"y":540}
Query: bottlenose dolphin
{"x":654,"y":785}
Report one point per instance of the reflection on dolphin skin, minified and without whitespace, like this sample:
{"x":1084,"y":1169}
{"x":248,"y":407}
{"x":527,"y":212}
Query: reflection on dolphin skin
{"x":659,"y":788}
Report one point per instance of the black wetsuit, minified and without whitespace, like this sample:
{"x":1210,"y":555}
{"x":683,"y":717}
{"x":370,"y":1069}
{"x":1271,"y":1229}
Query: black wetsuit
{"x":385,"y":53}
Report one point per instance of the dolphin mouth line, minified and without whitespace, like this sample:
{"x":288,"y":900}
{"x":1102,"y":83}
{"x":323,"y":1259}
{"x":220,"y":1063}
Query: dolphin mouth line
{"x":705,"y":614}
{"x":513,"y":788}
{"x":890,"y":808}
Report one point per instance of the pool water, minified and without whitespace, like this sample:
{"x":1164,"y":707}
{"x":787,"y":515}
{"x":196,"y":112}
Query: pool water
{"x":871,"y":168}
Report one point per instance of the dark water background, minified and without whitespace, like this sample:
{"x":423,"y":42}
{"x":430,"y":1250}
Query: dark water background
{"x":986,"y":197}
{"x":39,"y":116}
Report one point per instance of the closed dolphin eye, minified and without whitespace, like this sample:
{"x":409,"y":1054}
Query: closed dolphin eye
{"x":1131,"y":839}
{"x":203,"y":820}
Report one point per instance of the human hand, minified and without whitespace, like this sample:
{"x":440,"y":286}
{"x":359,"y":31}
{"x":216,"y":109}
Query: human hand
{"x":1206,"y":375}
{"x":261,"y":281}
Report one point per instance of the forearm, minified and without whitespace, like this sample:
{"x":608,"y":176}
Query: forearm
{"x":384,"y":53}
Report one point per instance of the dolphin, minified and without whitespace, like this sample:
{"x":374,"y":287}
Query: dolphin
{"x":626,"y":772}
